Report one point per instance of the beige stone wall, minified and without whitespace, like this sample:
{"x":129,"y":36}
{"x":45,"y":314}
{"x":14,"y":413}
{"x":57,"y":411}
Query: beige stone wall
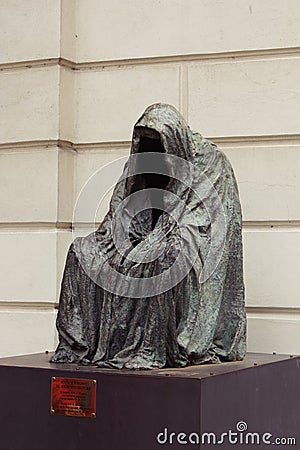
{"x":75,"y":75}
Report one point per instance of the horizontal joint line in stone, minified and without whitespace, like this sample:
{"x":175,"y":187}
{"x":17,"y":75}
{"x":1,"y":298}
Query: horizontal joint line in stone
{"x":226,"y":141}
{"x":68,"y":226}
{"x":8,"y":305}
{"x":35,"y":226}
{"x":255,"y":310}
{"x":271,"y":224}
{"x":247,"y":225}
{"x":29,"y":64}
{"x":271,"y":313}
{"x":234,"y":55}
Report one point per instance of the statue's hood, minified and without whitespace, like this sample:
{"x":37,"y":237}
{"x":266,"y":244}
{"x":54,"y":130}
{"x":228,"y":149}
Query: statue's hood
{"x":169,"y":125}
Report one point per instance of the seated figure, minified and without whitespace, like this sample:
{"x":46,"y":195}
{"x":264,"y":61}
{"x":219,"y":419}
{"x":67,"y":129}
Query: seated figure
{"x":160,"y":282}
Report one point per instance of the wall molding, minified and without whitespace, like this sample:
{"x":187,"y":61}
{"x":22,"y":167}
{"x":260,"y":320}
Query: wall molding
{"x":227,"y":56}
{"x":35,"y":226}
{"x":273,"y":313}
{"x":32,"y":227}
{"x":222,"y":141}
{"x":21,"y":145}
{"x":271,"y":225}
{"x":280,"y":312}
{"x":30,"y":64}
{"x":7,"y":305}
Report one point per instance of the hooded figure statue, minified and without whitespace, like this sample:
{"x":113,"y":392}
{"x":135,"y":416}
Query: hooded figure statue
{"x":160,"y":282}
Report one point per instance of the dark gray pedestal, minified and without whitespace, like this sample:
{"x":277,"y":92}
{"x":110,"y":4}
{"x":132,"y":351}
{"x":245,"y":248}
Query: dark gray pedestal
{"x":133,"y":407}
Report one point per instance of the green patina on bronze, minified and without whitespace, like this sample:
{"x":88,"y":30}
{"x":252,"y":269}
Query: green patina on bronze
{"x":193,"y":322}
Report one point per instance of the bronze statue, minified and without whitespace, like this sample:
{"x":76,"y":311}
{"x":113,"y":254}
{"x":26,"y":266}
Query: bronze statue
{"x":160,"y":282}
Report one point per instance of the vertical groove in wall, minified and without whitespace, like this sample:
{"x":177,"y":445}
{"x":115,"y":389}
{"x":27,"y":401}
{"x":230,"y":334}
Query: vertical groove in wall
{"x":60,"y":128}
{"x":59,"y":125}
{"x":57,"y":289}
{"x":183,"y":91}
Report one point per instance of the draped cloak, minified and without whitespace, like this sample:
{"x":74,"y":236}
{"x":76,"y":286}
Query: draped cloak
{"x":194,"y":315}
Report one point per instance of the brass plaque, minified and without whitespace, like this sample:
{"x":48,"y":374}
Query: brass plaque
{"x":73,"y":397}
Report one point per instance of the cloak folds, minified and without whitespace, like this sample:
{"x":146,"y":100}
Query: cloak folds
{"x":160,"y":282}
